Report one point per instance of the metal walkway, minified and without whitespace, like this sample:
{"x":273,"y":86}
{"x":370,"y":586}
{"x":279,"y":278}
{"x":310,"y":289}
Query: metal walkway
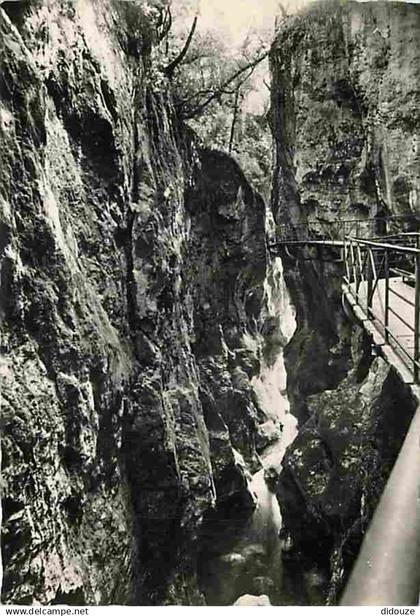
{"x":381,"y":283}
{"x":381,"y":277}
{"x":324,"y":232}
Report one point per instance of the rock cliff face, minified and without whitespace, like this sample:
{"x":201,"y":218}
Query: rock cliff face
{"x":134,"y":304}
{"x":346,"y":93}
{"x":345,"y":112}
{"x":137,"y":301}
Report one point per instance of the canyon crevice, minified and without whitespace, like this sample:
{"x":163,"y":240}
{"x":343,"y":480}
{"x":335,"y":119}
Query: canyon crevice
{"x":345,"y":105}
{"x":143,"y":318}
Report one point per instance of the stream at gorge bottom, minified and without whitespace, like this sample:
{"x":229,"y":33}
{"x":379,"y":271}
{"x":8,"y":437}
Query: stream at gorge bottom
{"x":243,"y":556}
{"x":241,"y":553}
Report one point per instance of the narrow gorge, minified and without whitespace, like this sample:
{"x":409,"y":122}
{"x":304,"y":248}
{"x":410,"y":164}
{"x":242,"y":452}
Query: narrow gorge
{"x":189,"y":417}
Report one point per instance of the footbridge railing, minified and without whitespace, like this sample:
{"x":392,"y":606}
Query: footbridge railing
{"x":381,"y":281}
{"x":382,"y":272}
{"x":383,"y":278}
{"x":320,"y":231}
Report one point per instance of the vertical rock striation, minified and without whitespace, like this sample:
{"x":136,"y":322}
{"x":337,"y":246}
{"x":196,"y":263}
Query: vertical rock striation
{"x":134,"y":315}
{"x":345,"y":113}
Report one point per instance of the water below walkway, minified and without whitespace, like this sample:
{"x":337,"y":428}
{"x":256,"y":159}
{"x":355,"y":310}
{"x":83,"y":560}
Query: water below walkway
{"x":245,"y":556}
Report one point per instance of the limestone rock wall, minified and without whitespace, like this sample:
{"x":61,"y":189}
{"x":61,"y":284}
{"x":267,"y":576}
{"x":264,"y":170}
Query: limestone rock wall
{"x":133,"y":311}
{"x":345,"y":105}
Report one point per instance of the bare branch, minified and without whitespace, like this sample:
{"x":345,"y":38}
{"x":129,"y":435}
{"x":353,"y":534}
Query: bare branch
{"x":234,"y":119}
{"x":209,"y":92}
{"x":219,"y":91}
{"x":193,"y":57}
{"x":170,"y":69}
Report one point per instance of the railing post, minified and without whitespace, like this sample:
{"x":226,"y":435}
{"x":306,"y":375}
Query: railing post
{"x":369,"y":283}
{"x":353,"y":277}
{"x":417,"y":316}
{"x":357,"y":276}
{"x":345,"y":253}
{"x":386,"y":296}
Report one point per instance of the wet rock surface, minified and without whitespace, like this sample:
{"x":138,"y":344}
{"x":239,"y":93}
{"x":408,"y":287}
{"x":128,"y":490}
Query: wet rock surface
{"x":335,"y":471}
{"x":139,"y":307}
{"x":345,"y":96}
{"x":133,"y":268}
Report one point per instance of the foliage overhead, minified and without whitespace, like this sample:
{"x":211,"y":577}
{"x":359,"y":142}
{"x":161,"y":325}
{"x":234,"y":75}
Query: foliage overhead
{"x":213,"y":82}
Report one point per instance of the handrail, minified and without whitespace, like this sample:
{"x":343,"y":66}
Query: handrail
{"x":366,"y":263}
{"x":336,"y":229}
{"x":387,"y":570}
{"x":380,"y":245}
{"x":403,"y":234}
{"x":392,"y":218}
